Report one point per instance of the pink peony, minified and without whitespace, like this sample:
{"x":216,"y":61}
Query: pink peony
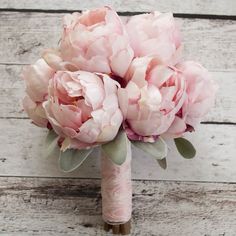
{"x":201,"y":90}
{"x":155,"y":34}
{"x":36,"y":79}
{"x":94,"y":41}
{"x":153,"y":95}
{"x":83,"y":107}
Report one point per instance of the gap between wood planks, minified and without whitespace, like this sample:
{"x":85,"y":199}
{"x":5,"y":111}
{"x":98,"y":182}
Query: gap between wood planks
{"x":203,"y":122}
{"x":135,"y":180}
{"x":126,"y":13}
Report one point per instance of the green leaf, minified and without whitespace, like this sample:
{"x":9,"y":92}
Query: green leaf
{"x":162,"y":163}
{"x":158,"y":150}
{"x":185,"y":148}
{"x":51,"y":146}
{"x":73,"y":158}
{"x":117,"y":149}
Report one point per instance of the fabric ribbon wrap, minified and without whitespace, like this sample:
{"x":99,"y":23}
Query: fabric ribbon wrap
{"x":116,"y":189}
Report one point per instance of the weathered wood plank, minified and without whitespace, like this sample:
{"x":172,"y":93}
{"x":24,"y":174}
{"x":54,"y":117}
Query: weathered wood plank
{"x":219,"y":7}
{"x":22,"y":146}
{"x":23,"y":36}
{"x":32,"y":206}
{"x":12,"y":92}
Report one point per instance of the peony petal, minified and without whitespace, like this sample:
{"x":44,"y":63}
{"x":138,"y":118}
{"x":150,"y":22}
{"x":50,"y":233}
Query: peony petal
{"x":159,"y":75}
{"x":146,"y":127}
{"x":123,"y":101}
{"x":176,"y":129}
{"x":137,"y":71}
{"x":93,"y":89}
{"x":110,"y":85}
{"x":154,"y":34}
{"x":89,"y":132}
{"x":35,"y":112}
{"x":133,"y":91}
{"x":36,"y":78}
{"x":122,"y":56}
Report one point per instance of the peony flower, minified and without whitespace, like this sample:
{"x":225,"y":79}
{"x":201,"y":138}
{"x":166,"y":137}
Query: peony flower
{"x":83,"y":107}
{"x":155,"y":34}
{"x":94,"y":41}
{"x":36,"y":79}
{"x":201,"y":90}
{"x":153,"y":95}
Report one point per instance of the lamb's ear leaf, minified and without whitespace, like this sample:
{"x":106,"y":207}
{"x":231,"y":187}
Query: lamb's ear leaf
{"x":185,"y":148}
{"x":158,"y":150}
{"x":117,"y":149}
{"x":51,"y":146}
{"x":162,"y":163}
{"x":71,"y":159}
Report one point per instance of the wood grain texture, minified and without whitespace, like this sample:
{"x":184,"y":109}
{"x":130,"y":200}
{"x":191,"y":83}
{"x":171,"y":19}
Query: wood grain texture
{"x":22,"y":145}
{"x":219,"y":7}
{"x":70,"y":204}
{"x":23,"y":36}
{"x":31,"y":206}
{"x":12,"y":91}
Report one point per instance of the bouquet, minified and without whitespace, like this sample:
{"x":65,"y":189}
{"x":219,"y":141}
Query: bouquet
{"x":112,"y":83}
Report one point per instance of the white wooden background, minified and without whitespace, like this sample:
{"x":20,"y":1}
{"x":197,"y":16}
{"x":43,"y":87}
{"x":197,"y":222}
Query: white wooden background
{"x":192,"y":197}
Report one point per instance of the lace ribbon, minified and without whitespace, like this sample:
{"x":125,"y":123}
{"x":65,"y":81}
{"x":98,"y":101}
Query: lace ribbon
{"x":116,"y":188}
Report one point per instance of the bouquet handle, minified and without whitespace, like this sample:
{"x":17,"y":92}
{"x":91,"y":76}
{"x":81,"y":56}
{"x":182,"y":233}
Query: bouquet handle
{"x":116,"y":189}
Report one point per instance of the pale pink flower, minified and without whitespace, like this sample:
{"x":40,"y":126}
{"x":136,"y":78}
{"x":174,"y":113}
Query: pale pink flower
{"x":153,"y":95}
{"x":35,"y":112}
{"x":201,"y":90}
{"x":155,"y":34}
{"x":94,"y":41}
{"x":83,"y":107}
{"x":36,"y":77}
